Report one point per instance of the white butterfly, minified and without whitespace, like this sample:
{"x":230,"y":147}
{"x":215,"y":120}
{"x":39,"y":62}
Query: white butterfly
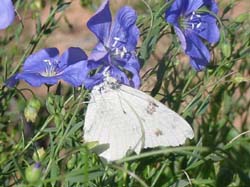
{"x":125,"y":119}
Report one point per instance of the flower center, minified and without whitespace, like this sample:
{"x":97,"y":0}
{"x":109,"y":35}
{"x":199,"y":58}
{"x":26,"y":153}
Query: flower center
{"x":50,"y":69}
{"x":192,"y":22}
{"x":118,"y":49}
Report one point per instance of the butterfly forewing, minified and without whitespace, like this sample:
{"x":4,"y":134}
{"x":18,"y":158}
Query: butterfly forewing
{"x":110,"y":120}
{"x":162,"y":126}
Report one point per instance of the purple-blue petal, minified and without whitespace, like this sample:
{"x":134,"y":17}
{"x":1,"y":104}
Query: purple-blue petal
{"x":36,"y":63}
{"x":12,"y":81}
{"x":36,"y":80}
{"x":134,"y":62}
{"x":119,"y":75}
{"x":198,"y":64}
{"x":193,"y":5}
{"x":71,"y":56}
{"x":135,"y":81}
{"x":125,"y":28}
{"x":196,"y":49}
{"x":90,"y":82}
{"x":181,"y":37}
{"x":212,"y":5}
{"x":174,"y":11}
{"x":98,"y":52}
{"x":100,"y":23}
{"x":208,"y":28}
{"x":75,"y":74}
{"x":7,"y":13}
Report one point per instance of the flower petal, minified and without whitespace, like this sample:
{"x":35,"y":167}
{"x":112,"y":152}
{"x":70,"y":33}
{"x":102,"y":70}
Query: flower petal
{"x":71,"y":56}
{"x":7,"y":13}
{"x":90,"y":82}
{"x":181,"y":37}
{"x":75,"y":74}
{"x":100,"y":23}
{"x":35,"y":62}
{"x":136,"y":80}
{"x":119,"y":75}
{"x":134,"y":62}
{"x":35,"y":79}
{"x":197,"y":50}
{"x":174,"y":11}
{"x":208,"y":28}
{"x":193,"y":5}
{"x":98,"y":52}
{"x":212,"y":5}
{"x":125,"y":29}
{"x":12,"y":81}
{"x":198,"y":64}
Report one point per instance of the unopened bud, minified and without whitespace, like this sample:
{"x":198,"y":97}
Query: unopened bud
{"x":33,"y":173}
{"x":39,"y":155}
{"x":71,"y":162}
{"x":31,"y":110}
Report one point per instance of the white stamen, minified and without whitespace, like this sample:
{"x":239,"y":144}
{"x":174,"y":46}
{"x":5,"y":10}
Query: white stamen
{"x":114,"y":44}
{"x":116,"y":51}
{"x":124,"y":49}
{"x":198,"y":25}
{"x":192,"y":25}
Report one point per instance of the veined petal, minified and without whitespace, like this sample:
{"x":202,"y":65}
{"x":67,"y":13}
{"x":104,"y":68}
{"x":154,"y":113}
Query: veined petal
{"x":208,"y":28}
{"x":98,"y":52}
{"x":7,"y":13}
{"x":75,"y":74}
{"x":36,"y":80}
{"x":133,"y":62}
{"x":198,"y":64}
{"x":174,"y":11}
{"x":197,"y":51}
{"x":71,"y":56}
{"x":124,"y":29}
{"x":193,"y":5}
{"x":100,"y":23}
{"x":36,"y":63}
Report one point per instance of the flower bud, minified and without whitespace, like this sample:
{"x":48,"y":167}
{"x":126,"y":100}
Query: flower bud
{"x":33,"y":173}
{"x":71,"y":162}
{"x":31,"y":110}
{"x":39,"y":155}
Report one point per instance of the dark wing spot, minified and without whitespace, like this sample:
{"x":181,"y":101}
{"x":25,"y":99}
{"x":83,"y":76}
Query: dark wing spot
{"x":158,"y":132}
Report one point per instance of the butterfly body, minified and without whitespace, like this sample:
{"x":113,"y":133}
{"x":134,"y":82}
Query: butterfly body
{"x":125,"y":119}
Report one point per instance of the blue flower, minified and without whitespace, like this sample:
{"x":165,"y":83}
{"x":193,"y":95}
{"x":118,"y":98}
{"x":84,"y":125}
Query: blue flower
{"x":46,"y":67}
{"x":191,"y":26}
{"x":116,"y":46}
{"x":7,"y":14}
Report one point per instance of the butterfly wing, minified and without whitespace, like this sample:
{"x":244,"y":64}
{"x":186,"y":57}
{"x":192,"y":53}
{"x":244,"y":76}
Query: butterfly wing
{"x":110,"y":120}
{"x":161,"y":126}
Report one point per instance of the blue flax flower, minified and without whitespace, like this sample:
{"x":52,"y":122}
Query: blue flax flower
{"x":46,"y":67}
{"x":191,"y":26}
{"x":7,"y":13}
{"x":115,"y":50}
